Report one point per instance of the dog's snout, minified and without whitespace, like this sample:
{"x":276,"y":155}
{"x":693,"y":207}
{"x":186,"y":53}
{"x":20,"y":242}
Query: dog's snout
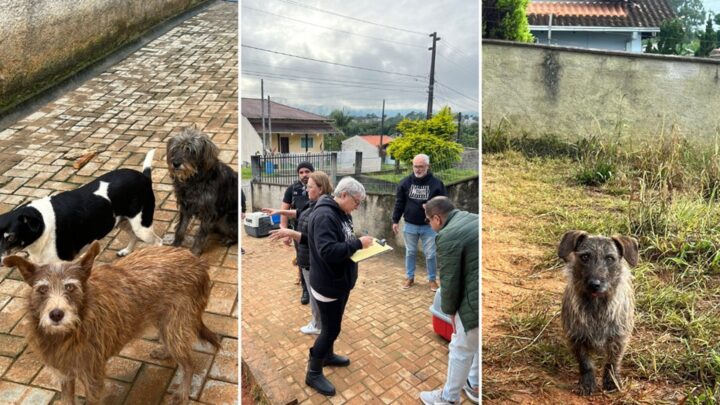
{"x":56,"y":315}
{"x":177,"y":163}
{"x":595,"y":285}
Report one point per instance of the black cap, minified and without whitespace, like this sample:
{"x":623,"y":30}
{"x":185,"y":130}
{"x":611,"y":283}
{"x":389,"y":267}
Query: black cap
{"x":305,"y":165}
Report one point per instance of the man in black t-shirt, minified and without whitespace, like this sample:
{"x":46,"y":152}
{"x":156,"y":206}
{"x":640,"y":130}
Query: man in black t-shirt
{"x":295,"y":198}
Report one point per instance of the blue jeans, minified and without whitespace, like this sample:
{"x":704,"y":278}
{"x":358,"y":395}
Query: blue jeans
{"x":412,"y":234}
{"x":462,"y":361}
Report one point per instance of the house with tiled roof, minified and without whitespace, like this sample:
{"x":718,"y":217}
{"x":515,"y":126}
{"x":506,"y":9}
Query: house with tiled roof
{"x":288,"y":129}
{"x":618,"y":25}
{"x":370,"y":146}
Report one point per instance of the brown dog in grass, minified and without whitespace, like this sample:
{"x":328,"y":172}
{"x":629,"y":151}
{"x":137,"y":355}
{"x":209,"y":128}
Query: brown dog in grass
{"x":81,"y":315}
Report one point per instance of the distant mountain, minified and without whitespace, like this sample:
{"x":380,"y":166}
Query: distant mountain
{"x":361,"y":112}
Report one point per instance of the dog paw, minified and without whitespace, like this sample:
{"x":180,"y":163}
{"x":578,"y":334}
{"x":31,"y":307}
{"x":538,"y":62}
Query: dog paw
{"x":160,"y":353}
{"x":609,"y":383}
{"x":124,"y":252}
{"x":587,"y":384}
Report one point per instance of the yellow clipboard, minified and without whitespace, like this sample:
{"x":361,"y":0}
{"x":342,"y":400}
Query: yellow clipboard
{"x":377,"y":247}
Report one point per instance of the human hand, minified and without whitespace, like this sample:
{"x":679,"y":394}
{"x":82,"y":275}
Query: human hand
{"x":283,"y":234}
{"x":269,"y":211}
{"x":366,"y":241}
{"x":396,"y":228}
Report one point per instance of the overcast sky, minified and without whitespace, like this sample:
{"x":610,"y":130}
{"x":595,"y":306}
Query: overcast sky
{"x":319,"y":29}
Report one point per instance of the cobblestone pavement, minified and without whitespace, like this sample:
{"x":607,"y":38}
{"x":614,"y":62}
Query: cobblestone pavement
{"x":387,"y":332}
{"x":188,"y":76}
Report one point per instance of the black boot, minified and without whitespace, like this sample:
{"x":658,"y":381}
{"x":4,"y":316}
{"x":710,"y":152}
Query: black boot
{"x":336,"y":360}
{"x":305,"y":298}
{"x":315,"y":378}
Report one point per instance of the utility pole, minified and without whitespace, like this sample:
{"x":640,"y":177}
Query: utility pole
{"x":382,"y":129}
{"x":262,"y":114}
{"x":270,"y":125}
{"x":459,"y":123}
{"x":432,"y":75}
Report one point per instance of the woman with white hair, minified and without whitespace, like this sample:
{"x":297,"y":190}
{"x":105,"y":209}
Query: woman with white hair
{"x":332,"y":273}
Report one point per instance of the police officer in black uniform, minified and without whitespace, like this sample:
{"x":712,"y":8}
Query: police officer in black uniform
{"x":295,"y":198}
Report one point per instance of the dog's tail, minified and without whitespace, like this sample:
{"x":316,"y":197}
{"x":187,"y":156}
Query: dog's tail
{"x":147,"y":163}
{"x":209,"y":335}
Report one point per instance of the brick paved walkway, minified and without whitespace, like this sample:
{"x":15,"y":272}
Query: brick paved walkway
{"x":387,"y":332}
{"x":187,"y":76}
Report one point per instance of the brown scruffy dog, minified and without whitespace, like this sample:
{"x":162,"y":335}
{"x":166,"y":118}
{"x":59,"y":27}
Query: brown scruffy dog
{"x":82,"y":315}
{"x":598,"y":306}
{"x":205,"y":188}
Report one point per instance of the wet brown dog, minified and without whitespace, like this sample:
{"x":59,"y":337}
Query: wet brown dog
{"x":81,"y":315}
{"x":598,"y":306}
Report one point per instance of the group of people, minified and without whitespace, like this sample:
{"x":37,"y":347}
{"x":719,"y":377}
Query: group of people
{"x":317,"y":218}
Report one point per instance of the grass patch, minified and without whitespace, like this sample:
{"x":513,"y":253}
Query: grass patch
{"x":667,"y":201}
{"x":246,"y":173}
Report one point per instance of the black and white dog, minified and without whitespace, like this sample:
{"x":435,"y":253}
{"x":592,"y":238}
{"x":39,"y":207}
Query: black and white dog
{"x":57,"y":228}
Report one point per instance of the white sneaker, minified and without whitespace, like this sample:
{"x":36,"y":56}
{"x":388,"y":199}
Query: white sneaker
{"x":472,"y":393}
{"x":310,"y":330}
{"x":434,"y":398}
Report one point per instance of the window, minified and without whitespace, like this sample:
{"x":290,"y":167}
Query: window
{"x":306,"y":142}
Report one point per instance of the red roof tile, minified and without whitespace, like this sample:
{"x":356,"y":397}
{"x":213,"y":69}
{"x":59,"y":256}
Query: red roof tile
{"x":375,"y":139}
{"x":604,"y":13}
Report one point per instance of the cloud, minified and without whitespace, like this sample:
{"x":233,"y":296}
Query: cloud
{"x":368,"y":40}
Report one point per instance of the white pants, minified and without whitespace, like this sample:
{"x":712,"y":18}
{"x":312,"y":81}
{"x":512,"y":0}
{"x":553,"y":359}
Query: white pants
{"x":462,"y":360}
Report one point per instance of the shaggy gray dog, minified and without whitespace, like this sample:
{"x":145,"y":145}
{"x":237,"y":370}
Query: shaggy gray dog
{"x":204,"y":187}
{"x":598,"y":305}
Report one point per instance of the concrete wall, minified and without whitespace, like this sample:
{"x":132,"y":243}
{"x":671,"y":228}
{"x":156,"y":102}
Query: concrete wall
{"x":371,"y":159}
{"x":250,"y":142}
{"x":544,"y":89}
{"x":374,"y":217}
{"x":41,"y":41}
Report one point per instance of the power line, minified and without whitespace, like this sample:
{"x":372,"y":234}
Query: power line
{"x":352,"y":18}
{"x":455,"y":91}
{"x":313,"y":75}
{"x":333,"y":29}
{"x":330,"y":63}
{"x":281,"y":77}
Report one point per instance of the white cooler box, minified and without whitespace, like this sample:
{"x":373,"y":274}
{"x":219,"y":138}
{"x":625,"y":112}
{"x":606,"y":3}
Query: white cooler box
{"x":259,"y":224}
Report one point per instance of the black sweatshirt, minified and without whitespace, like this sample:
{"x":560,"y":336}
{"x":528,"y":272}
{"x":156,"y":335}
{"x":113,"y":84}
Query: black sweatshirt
{"x":412,"y":193}
{"x":332,"y":242}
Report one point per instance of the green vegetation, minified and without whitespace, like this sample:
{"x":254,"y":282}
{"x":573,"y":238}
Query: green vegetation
{"x":664,"y":192}
{"x":506,"y":19}
{"x":432,"y":137}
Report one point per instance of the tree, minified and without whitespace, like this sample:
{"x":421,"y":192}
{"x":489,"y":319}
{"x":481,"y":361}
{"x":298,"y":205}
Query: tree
{"x":671,"y":36}
{"x":432,"y":137}
{"x":340,"y":120}
{"x":469,"y":135}
{"x":441,"y":125}
{"x":708,"y":39}
{"x":506,"y":19}
{"x":691,"y":14}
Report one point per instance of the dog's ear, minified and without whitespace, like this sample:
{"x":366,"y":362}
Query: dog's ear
{"x":210,"y":153}
{"x":628,"y":248}
{"x":27,"y":269}
{"x":33,"y":222}
{"x":88,"y":258}
{"x":569,"y":243}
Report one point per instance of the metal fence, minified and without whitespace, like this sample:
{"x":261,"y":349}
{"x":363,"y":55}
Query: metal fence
{"x":280,"y":169}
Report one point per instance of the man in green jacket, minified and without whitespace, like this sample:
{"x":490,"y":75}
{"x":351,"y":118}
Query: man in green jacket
{"x":457,"y":258}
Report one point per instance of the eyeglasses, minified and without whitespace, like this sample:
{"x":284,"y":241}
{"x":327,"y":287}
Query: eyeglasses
{"x":357,"y":201}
